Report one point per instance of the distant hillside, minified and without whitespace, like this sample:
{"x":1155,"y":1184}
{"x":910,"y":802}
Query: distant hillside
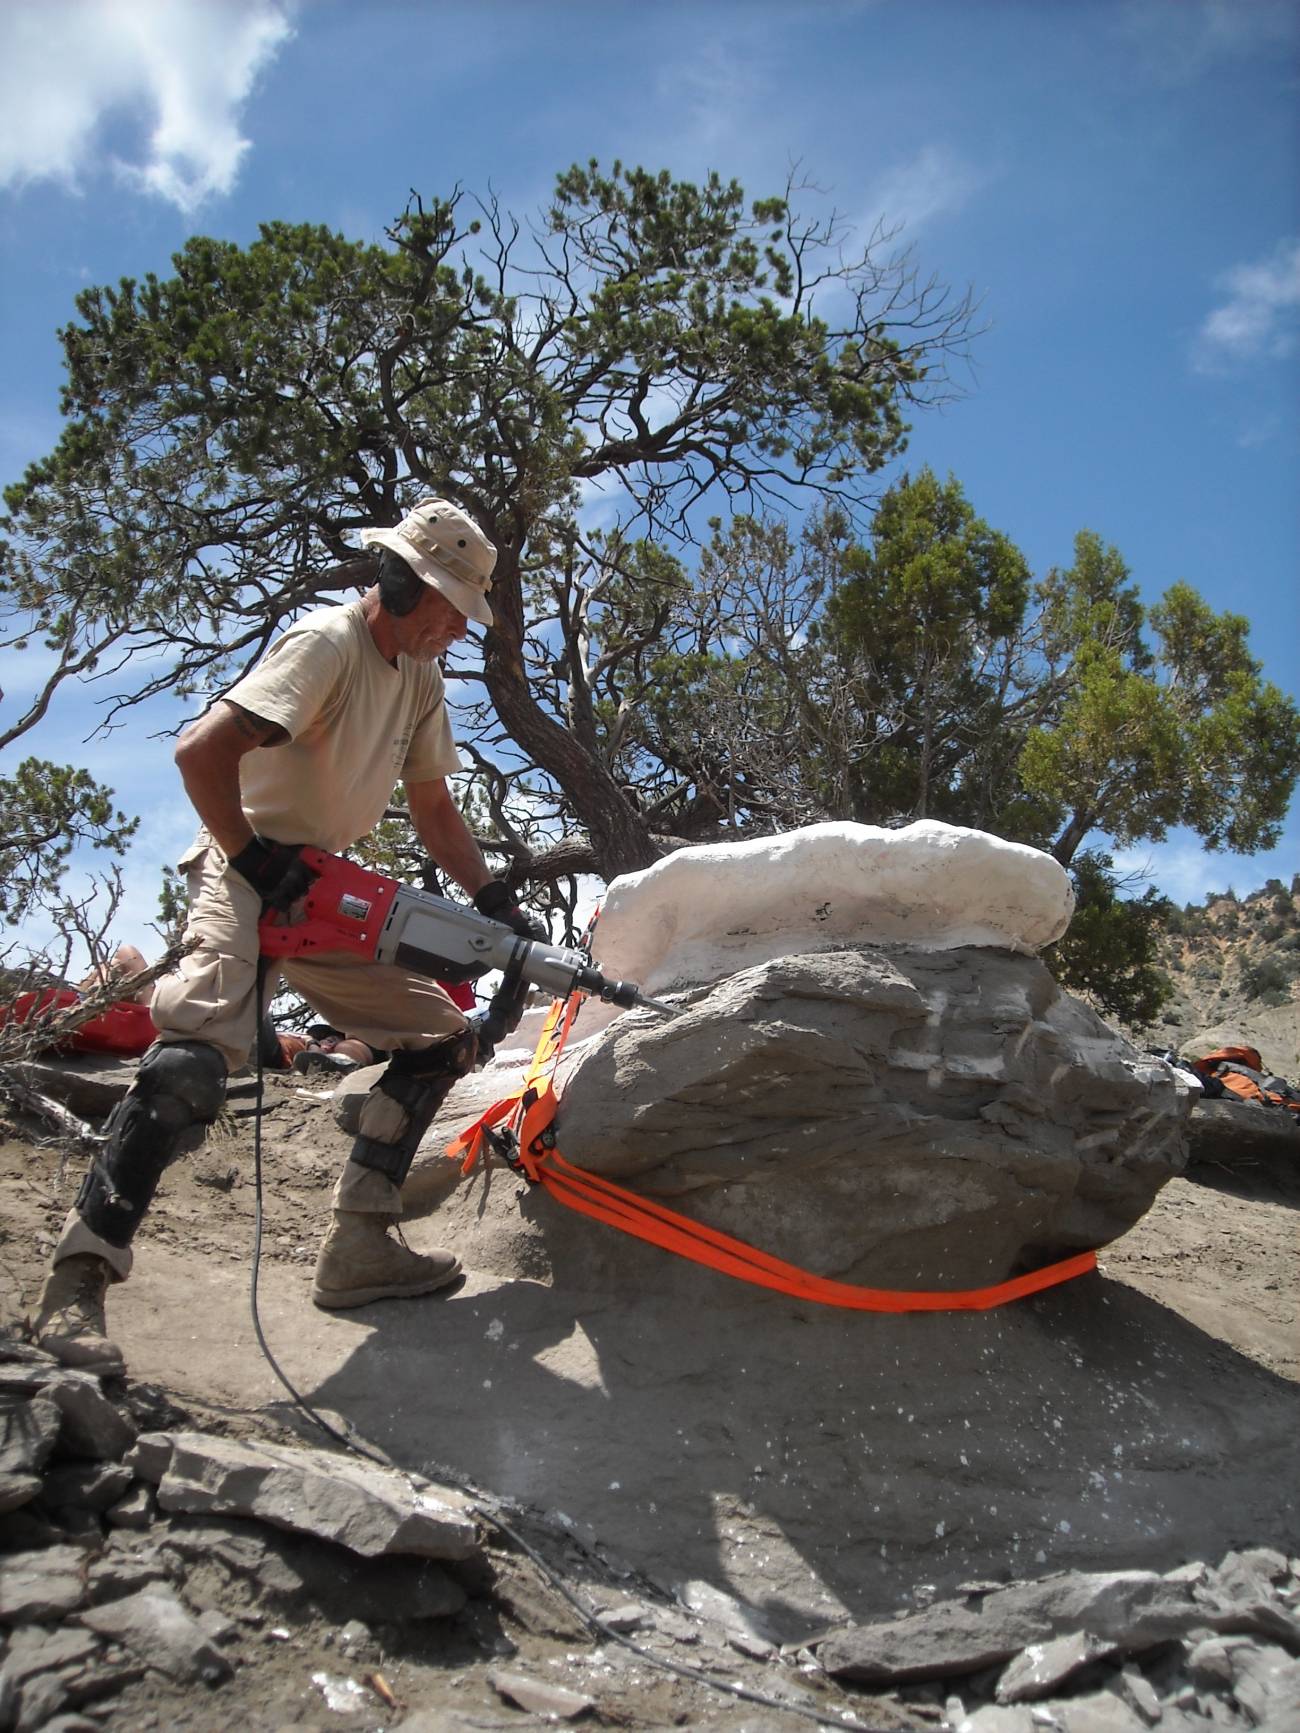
{"x":1235,"y":966}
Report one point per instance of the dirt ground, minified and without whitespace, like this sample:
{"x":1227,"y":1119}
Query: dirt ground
{"x":1220,"y":1246}
{"x":1210,"y":1277}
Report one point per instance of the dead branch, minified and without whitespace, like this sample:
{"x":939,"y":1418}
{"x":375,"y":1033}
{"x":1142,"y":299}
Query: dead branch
{"x":20,"y":1041}
{"x":18,"y":1088}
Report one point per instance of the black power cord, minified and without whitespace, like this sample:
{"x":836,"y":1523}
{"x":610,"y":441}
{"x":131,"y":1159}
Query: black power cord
{"x":490,"y":1513}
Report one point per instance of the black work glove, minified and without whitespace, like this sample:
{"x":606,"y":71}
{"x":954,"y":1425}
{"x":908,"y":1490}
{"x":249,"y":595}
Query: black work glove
{"x":275,"y":870}
{"x":496,"y":902}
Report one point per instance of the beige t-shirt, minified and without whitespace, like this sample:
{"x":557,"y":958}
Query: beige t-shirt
{"x":356,"y":726}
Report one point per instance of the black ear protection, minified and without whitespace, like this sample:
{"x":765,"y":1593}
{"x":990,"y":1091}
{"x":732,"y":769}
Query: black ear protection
{"x":399,"y":588}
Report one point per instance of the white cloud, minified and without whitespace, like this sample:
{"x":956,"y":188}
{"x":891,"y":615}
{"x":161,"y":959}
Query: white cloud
{"x":1259,"y":430}
{"x":1186,"y":872}
{"x":183,"y":67}
{"x":716,"y":87}
{"x":936,"y":180}
{"x":1258,"y":317}
{"x":1180,"y":41}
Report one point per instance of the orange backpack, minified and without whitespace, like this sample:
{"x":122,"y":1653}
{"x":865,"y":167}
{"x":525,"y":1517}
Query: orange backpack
{"x":1241,"y":1072}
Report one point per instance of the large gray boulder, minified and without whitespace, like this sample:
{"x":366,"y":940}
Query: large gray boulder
{"x":1245,"y":1137}
{"x":869,"y":1072}
{"x":889,"y":1115}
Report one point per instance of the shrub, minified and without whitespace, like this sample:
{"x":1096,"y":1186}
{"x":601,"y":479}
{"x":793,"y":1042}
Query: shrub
{"x":1264,"y":977}
{"x":1111,"y":948}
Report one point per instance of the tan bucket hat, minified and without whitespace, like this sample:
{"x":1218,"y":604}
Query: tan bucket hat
{"x":445,"y":547}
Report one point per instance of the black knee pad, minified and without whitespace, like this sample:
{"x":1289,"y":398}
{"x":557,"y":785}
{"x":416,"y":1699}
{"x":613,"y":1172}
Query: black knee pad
{"x":178,"y":1090}
{"x":401,"y":1105}
{"x":447,"y":1059}
{"x":183,"y":1078}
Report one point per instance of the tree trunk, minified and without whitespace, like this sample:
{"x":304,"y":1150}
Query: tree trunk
{"x":620,"y":837}
{"x":1065,"y":846}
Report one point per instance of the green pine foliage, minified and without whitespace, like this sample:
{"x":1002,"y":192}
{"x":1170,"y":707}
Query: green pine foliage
{"x":1111,"y":950}
{"x":45,"y":811}
{"x":230,"y":427}
{"x":921,"y":673}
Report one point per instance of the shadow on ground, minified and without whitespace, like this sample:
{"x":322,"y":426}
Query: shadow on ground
{"x":817,"y":1463}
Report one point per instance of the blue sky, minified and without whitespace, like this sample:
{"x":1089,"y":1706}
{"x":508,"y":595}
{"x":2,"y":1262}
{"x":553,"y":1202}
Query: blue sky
{"x":1116,"y":180}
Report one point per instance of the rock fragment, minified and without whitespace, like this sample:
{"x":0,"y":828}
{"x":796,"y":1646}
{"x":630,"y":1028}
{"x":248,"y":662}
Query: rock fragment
{"x":1042,"y":1668}
{"x":90,"y":1486}
{"x":1140,"y":1694}
{"x":1127,"y":1610}
{"x":38,"y":1649}
{"x":136,"y":1511}
{"x":29,"y":1430}
{"x":1266,"y":1683}
{"x":40,"y":1377}
{"x":1103,"y":1712}
{"x":93,"y":1426}
{"x":999,"y":1718}
{"x":90,"y":1085}
{"x":370,"y":1510}
{"x":115,"y":1576}
{"x":155,"y":1626}
{"x":539,"y":1696}
{"x":42,"y":1587}
{"x":1242,"y":1135}
{"x":149,"y":1455}
{"x":16,"y":1490}
{"x":217,"y":1626}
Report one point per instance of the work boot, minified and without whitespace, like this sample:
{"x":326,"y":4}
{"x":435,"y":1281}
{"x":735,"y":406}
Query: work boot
{"x":70,"y":1324}
{"x":336,"y":1063}
{"x":359,"y":1263}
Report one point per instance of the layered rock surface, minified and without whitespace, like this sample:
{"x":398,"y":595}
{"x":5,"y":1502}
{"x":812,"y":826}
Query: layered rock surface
{"x":1243,"y":1135}
{"x":896,"y":1117}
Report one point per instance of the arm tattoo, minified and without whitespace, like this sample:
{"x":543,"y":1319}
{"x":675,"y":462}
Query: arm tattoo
{"x":256,"y":728}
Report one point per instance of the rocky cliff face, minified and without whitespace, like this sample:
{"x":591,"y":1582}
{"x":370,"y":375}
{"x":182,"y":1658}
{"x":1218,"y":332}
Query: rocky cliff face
{"x":1234,"y":964}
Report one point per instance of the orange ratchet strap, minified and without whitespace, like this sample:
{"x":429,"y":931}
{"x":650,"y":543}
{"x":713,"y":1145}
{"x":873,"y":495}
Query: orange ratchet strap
{"x":532,"y":1109}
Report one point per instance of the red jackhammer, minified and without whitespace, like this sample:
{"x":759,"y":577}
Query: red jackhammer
{"x":351,"y":908}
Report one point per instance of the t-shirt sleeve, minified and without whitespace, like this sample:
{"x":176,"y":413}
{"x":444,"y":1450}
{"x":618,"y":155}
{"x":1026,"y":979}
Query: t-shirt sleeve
{"x":432,"y":752}
{"x":292,"y":683}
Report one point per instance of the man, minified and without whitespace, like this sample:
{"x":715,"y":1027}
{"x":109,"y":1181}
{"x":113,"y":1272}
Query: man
{"x":306,"y":749}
